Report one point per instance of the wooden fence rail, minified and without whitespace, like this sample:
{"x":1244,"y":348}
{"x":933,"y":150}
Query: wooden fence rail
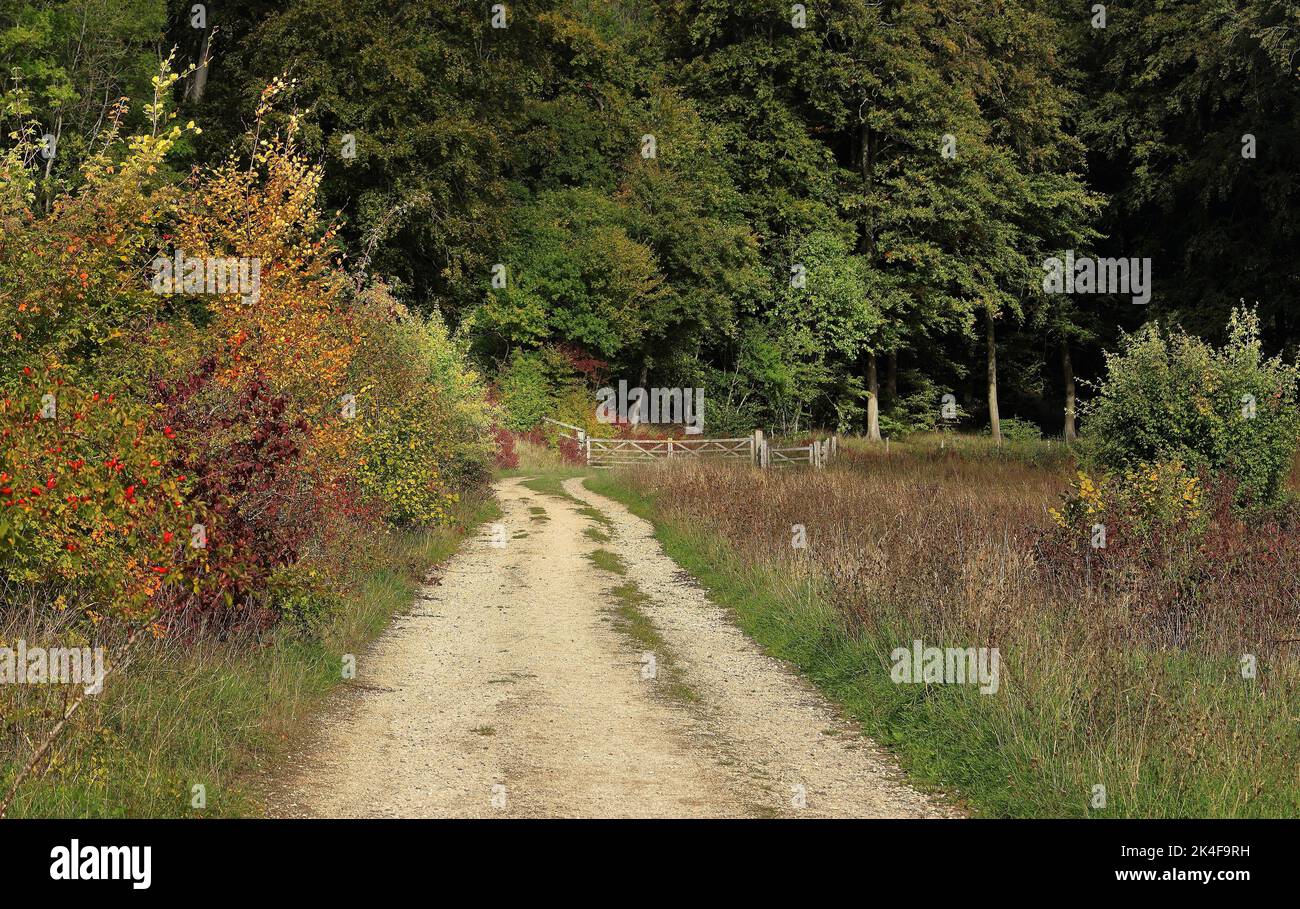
{"x":754,"y":449}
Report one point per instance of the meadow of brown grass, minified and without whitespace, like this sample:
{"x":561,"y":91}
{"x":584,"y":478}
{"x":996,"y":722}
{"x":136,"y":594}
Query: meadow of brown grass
{"x":1123,"y":671}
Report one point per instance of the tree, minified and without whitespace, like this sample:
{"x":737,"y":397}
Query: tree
{"x":430,"y":98}
{"x":572,"y":273}
{"x":1192,"y":118}
{"x":74,"y":61}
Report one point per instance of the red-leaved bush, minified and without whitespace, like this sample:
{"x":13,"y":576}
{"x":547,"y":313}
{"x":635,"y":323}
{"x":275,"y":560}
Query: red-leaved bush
{"x":506,"y":455}
{"x":240,"y":450}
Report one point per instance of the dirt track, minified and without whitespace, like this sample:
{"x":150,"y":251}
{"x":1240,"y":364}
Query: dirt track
{"x":513,"y":690}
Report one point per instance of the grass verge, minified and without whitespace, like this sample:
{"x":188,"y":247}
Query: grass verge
{"x":218,"y":714}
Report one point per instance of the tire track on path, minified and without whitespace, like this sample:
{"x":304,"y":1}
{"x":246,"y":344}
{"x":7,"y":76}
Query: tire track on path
{"x":508,"y":691}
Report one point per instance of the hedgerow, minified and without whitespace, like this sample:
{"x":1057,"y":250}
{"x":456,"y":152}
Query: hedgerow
{"x":175,"y":458}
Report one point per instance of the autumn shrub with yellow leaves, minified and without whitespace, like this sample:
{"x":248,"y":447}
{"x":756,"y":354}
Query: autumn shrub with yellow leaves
{"x":1147,"y":499}
{"x":1170,"y":397}
{"x":301,"y":332}
{"x":171,"y":406}
{"x":422,"y":421}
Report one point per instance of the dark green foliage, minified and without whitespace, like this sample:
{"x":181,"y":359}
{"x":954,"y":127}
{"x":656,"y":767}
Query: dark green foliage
{"x":1172,"y":89}
{"x":1170,"y":396}
{"x":775,"y":146}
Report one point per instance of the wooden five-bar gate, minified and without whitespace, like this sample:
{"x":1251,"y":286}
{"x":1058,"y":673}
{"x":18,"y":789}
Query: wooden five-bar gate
{"x":754,"y":449}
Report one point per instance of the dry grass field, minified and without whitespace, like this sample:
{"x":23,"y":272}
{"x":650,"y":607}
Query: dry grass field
{"x":1125,"y":667}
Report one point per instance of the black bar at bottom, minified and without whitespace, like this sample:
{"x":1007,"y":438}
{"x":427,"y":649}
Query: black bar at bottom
{"x":654,"y":858}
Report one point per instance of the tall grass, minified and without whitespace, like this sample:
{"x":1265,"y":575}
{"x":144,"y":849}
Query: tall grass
{"x":205,"y":712}
{"x":945,"y":546}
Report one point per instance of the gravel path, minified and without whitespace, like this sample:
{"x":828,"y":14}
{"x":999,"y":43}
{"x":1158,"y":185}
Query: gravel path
{"x":512,"y":689}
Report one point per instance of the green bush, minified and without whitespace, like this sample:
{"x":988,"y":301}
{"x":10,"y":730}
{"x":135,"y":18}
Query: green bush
{"x":1169,"y":396}
{"x":423,"y":417}
{"x":1014,"y":430}
{"x":305,"y":598}
{"x":532,"y":385}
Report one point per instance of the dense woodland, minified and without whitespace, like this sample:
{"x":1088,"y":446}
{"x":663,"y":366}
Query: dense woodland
{"x":775,"y":146}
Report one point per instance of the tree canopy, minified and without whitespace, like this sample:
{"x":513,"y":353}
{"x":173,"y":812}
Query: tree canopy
{"x":820,"y":209}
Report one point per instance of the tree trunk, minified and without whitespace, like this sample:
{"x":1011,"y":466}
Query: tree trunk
{"x":1067,"y":368}
{"x":994,"y":424}
{"x":873,"y":400}
{"x":891,"y":379}
{"x":865,"y":164}
{"x":867,"y":247}
{"x":199,"y":79}
{"x":643,"y":404}
{"x":58,"y":136}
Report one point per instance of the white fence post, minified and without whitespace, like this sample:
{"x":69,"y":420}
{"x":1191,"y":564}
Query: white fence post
{"x":756,"y":450}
